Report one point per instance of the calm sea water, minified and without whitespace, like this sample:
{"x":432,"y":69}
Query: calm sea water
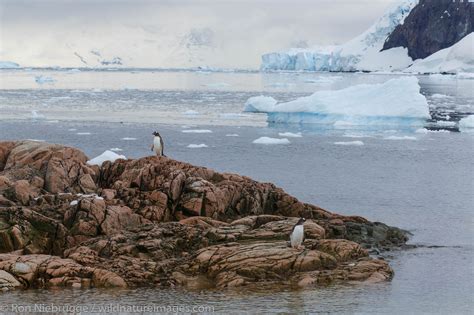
{"x":421,"y":182}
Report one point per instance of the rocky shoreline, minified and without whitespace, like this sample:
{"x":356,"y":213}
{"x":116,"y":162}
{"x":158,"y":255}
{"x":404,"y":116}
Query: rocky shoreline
{"x":155,"y":221}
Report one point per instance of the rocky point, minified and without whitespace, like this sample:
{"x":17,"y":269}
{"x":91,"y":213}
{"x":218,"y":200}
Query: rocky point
{"x":155,"y":221}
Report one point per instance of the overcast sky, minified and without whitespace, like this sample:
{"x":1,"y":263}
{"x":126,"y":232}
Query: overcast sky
{"x":174,"y":33}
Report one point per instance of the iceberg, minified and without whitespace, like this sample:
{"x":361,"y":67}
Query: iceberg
{"x":8,"y":65}
{"x":41,"y":79}
{"x":197,"y":146}
{"x":196,"y":131}
{"x":467,"y":122}
{"x":106,"y":156}
{"x":262,"y":103}
{"x":361,"y":53}
{"x":397,"y":101}
{"x":357,"y":143}
{"x":268,"y":140}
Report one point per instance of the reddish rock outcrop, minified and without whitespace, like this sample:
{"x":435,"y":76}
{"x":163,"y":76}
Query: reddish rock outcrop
{"x":157,"y":221}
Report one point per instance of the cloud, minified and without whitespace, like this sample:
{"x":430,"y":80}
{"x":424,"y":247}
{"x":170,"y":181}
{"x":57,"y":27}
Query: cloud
{"x":179,"y":33}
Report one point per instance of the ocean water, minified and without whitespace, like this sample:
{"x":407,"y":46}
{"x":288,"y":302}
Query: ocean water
{"x":422,"y":182}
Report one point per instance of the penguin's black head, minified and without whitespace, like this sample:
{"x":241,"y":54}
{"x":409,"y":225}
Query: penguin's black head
{"x":301,"y":221}
{"x":156,"y":133}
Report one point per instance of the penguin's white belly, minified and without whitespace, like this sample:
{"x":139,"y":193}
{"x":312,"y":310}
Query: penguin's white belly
{"x":296,"y":238}
{"x":157,"y":145}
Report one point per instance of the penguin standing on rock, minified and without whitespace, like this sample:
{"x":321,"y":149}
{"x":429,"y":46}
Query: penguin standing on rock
{"x":158,"y":144}
{"x":297,"y":234}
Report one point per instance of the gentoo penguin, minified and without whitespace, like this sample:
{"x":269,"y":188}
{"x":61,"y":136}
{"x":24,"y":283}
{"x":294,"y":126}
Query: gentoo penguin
{"x":158,"y":144}
{"x":297,"y":234}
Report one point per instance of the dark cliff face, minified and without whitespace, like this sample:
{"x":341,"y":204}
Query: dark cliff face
{"x":433,"y":25}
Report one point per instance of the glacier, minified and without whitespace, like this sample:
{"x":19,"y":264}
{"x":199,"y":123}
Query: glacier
{"x":359,"y":54}
{"x":458,"y":58}
{"x":395,"y":102}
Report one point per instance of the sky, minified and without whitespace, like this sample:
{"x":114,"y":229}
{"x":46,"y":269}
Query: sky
{"x":173,"y":33}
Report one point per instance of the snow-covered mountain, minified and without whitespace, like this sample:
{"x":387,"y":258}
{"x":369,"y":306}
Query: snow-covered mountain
{"x":360,"y":53}
{"x":377,"y":50}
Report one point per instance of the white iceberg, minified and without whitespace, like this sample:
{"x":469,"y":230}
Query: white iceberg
{"x":197,"y":146}
{"x":129,"y":139}
{"x":357,"y":143}
{"x":397,"y":101}
{"x":268,"y":140}
{"x":36,"y":115}
{"x":259,"y":103}
{"x":232,"y":135}
{"x":400,"y":138}
{"x":290,"y":134}
{"x":8,"y":65}
{"x":42,"y":79}
{"x":467,"y":122}
{"x":196,"y":131}
{"x":361,"y":53}
{"x":83,"y":133}
{"x":106,"y":156}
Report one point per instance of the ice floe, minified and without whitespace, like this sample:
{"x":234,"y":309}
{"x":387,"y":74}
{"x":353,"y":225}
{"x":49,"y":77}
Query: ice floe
{"x":290,"y":134}
{"x":129,"y":139}
{"x":400,"y":138}
{"x":268,"y":140}
{"x":196,"y":131}
{"x":357,"y":143}
{"x":467,"y":122}
{"x":197,"y":146}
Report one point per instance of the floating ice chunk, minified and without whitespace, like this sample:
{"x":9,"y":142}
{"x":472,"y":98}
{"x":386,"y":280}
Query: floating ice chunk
{"x":106,"y":156}
{"x":191,"y":113}
{"x":232,"y":135}
{"x":467,"y":122}
{"x":260,"y":104}
{"x":397,"y":101}
{"x":196,"y":131}
{"x":268,"y":140}
{"x":72,"y":129}
{"x":41,"y":79}
{"x":197,"y":146}
{"x":74,"y":202}
{"x":8,"y":65}
{"x":290,"y":134}
{"x":116,"y":149}
{"x":36,"y":115}
{"x":400,"y":138}
{"x":129,"y":139}
{"x":357,"y":142}
{"x":83,"y":133}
